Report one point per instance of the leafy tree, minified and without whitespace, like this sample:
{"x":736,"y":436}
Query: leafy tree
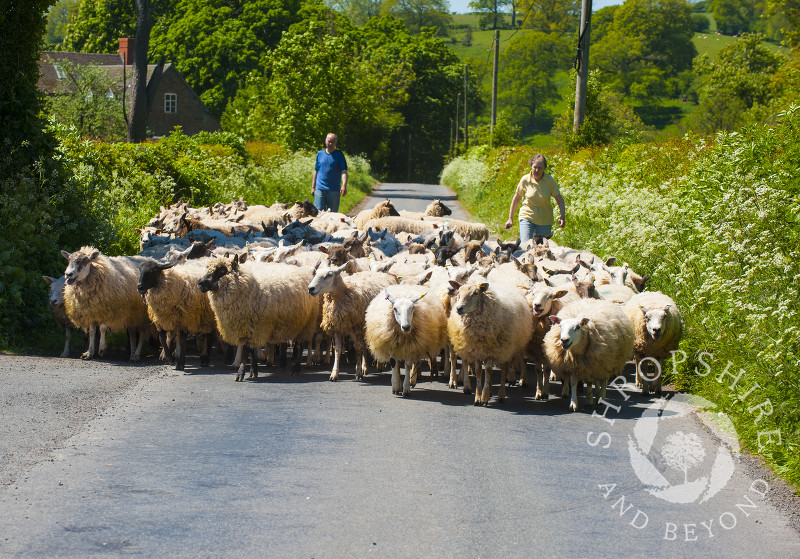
{"x":98,"y":26}
{"x":551,"y":16}
{"x":648,"y":44}
{"x":90,"y":102}
{"x":418,"y":14}
{"x":359,"y":11}
{"x":216,"y":43}
{"x":789,"y":11}
{"x":59,"y":15}
{"x":733,"y":16}
{"x":740,"y":78}
{"x":504,"y":134}
{"x":491,"y":12}
{"x":528,"y":68}
{"x":701,"y":23}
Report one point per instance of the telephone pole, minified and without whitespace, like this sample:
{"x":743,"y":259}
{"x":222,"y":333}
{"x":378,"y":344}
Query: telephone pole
{"x":582,"y":64}
{"x":466,"y":128}
{"x":494,"y":86}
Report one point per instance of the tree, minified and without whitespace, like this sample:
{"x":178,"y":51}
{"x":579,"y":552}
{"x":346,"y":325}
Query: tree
{"x":528,"y":68}
{"x":789,"y":10}
{"x":740,"y":78}
{"x":91,"y":102}
{"x":99,"y":24}
{"x":683,"y":451}
{"x":139,"y":105}
{"x":216,"y":43}
{"x":491,"y":12}
{"x":418,"y":14}
{"x":59,"y":15}
{"x":646,"y":47}
{"x":551,"y":16}
{"x":733,"y":16}
{"x":359,"y":12}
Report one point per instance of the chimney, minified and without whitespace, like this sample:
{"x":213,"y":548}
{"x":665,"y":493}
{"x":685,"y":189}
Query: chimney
{"x":126,"y":50}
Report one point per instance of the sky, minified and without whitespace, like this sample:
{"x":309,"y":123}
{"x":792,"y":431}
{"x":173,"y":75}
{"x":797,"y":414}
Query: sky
{"x":462,"y":6}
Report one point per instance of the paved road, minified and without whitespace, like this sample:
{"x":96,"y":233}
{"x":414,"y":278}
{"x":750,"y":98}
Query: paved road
{"x":149,"y":462}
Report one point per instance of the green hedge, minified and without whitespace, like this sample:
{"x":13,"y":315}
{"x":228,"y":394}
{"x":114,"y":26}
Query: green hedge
{"x":716,"y":222}
{"x":94,"y":193}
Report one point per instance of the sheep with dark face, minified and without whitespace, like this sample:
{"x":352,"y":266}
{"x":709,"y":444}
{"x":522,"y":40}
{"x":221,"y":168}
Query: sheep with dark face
{"x":658,"y":326}
{"x":100,"y":292}
{"x":176,"y":304}
{"x":57,"y":310}
{"x":381,"y":209}
{"x":256,"y":304}
{"x":403,"y":324}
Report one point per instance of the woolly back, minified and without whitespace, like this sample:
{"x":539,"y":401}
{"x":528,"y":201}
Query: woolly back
{"x":644,"y":344}
{"x":343,"y":311}
{"x":605,"y":345}
{"x":428,"y":332}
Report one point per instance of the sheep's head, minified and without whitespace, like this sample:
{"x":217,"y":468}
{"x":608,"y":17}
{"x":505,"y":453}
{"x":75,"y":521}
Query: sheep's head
{"x":385,"y":209}
{"x":217,"y":269}
{"x":469,"y":297}
{"x":436,"y":208}
{"x":654,"y":321}
{"x":80,"y":264}
{"x":444,"y":255}
{"x":542,"y":299}
{"x":56,"y":290}
{"x":150,"y":274}
{"x":325,"y":278}
{"x":403,"y":309}
{"x":571,"y":333}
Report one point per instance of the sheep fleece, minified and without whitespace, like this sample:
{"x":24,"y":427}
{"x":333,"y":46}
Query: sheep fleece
{"x":428,"y":326}
{"x":606,"y":341}
{"x":643,"y":344}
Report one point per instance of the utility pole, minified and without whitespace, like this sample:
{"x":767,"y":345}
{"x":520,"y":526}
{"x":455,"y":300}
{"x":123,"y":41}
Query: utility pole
{"x":458,"y":102}
{"x":409,"y":157}
{"x":582,"y":64}
{"x":494,"y":86}
{"x":466,"y":128}
{"x":451,"y":140}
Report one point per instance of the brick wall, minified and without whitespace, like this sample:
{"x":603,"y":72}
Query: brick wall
{"x":191,"y":114}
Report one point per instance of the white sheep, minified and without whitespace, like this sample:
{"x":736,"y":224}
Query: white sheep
{"x":403,"y":324}
{"x":176,"y":304}
{"x":58,"y":311}
{"x":657,"y":326}
{"x":100,"y":291}
{"x":590,"y":340}
{"x":344,"y":304}
{"x":490,"y":323}
{"x":256,"y":304}
{"x":381,"y":209}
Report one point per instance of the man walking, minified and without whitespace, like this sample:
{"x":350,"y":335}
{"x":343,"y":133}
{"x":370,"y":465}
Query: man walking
{"x":330,"y":171}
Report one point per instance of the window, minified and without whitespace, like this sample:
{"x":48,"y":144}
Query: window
{"x":170,"y":103}
{"x":59,"y":71}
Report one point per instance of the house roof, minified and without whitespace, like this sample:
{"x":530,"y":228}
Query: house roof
{"x":48,"y":75}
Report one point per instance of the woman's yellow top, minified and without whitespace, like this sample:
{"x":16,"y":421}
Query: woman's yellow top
{"x":536,"y":206}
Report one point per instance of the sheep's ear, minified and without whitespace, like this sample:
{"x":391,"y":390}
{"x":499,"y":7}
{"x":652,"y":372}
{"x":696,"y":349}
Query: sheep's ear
{"x":554,"y":320}
{"x":316,"y":266}
{"x":454,"y":285}
{"x":95,"y":255}
{"x":418,"y":297}
{"x":548,"y":282}
{"x":242,"y":258}
{"x":323,"y":249}
{"x":560,"y":293}
{"x":388,"y":296}
{"x":585,"y":321}
{"x":611,"y":260}
{"x":65,"y":254}
{"x":644,"y":310}
{"x":48,"y":279}
{"x":483,"y":286}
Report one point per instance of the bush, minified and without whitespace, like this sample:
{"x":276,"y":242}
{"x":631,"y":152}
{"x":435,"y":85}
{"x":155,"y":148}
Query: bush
{"x":701,"y":23}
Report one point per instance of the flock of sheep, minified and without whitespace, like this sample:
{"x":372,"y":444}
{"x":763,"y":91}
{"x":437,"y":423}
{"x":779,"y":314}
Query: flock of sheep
{"x":387,"y":286}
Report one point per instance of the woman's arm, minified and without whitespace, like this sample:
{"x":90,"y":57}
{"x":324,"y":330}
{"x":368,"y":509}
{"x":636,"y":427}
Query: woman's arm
{"x":514,"y":203}
{"x":560,"y":201}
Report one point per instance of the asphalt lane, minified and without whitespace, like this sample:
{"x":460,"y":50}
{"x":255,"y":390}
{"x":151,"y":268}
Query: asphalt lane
{"x":146,"y":461}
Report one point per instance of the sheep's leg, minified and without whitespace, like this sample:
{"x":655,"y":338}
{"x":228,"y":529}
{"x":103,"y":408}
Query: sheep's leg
{"x":565,"y":386}
{"x":660,"y":372}
{"x":636,"y":373}
{"x":132,"y":342}
{"x":542,"y":382}
{"x":434,"y":367}
{"x":415,"y":369}
{"x":487,"y":384}
{"x":310,"y":352}
{"x":573,"y":384}
{"x":465,"y":381}
{"x":553,"y":376}
{"x":298,"y":358}
{"x":90,"y":351}
{"x":505,"y":374}
{"x":101,"y":349}
{"x":337,"y":343}
{"x":446,"y":363}
{"x":180,"y":350}
{"x":397,"y":382}
{"x":237,"y":361}
{"x":478,"y":383}
{"x":204,"y":345}
{"x":253,"y":362}
{"x":166,"y":354}
{"x":592,"y":386}
{"x":317,"y":348}
{"x":364,"y":363}
{"x":67,"y":340}
{"x":451,"y":356}
{"x":523,"y":376}
{"x":359,"y":364}
{"x":407,"y":379}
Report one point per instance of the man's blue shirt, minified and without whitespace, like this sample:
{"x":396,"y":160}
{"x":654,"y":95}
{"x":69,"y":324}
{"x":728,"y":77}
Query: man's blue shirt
{"x":329,"y":167}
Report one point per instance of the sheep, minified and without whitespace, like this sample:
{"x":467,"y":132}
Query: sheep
{"x":590,"y":340}
{"x":256,"y":304}
{"x":489,"y":323}
{"x":438,"y":209}
{"x":619,"y":294}
{"x":399,"y":224}
{"x":301,"y":210}
{"x":345,"y":300}
{"x":403,"y":324}
{"x":57,"y":310}
{"x":381,"y":209}
{"x":176,"y":304}
{"x":658,"y":327}
{"x":468,"y":230}
{"x":100,"y":291}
